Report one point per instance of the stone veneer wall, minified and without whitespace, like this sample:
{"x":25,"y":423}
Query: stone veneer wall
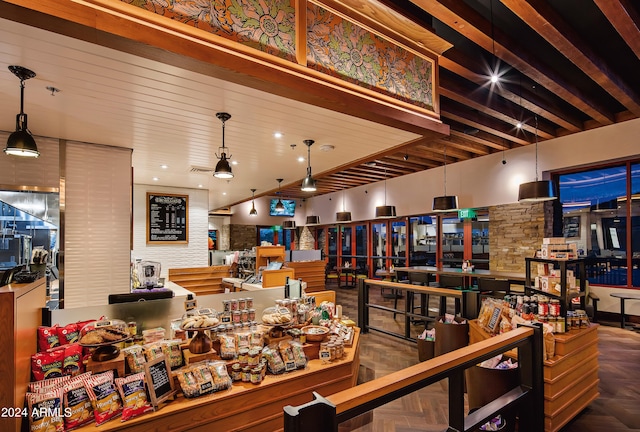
{"x":516,"y":232}
{"x":242,"y":237}
{"x":306,"y":240}
{"x":225,"y":238}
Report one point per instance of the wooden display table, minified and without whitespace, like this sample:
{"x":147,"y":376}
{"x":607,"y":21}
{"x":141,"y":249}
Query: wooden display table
{"x":246,"y":406}
{"x":570,"y":377}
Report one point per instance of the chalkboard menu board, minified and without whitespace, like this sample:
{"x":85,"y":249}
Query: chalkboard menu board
{"x":167,"y":218}
{"x":159,"y":380}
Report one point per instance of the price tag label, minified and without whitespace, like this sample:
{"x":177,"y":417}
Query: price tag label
{"x":289,"y":366}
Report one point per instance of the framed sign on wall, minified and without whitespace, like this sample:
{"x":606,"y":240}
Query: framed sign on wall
{"x":167,"y":218}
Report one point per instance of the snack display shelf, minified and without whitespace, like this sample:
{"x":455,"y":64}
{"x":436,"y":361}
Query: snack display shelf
{"x":246,"y":406}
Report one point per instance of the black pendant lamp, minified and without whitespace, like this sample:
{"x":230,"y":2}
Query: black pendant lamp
{"x":446,"y":202}
{"x":279,"y":205}
{"x":538,"y":190}
{"x":343,"y":216}
{"x":253,"y":211}
{"x":308,"y":184}
{"x":21,"y":142}
{"x":313,"y":220}
{"x":223,"y":168}
{"x":289,"y":224}
{"x":385,"y":211}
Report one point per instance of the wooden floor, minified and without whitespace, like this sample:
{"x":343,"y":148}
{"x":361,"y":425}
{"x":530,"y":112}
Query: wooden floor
{"x":616,"y":410}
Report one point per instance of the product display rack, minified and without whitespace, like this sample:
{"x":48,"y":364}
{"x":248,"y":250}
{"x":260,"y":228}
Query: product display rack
{"x":566,"y":295}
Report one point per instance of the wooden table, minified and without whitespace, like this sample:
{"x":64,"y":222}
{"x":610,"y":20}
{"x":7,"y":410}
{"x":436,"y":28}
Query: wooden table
{"x":625,"y":296}
{"x":512,"y":277}
{"x":349,"y":271}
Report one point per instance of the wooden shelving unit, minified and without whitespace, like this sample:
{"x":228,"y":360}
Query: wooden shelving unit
{"x":267,"y":254}
{"x":565,"y":296}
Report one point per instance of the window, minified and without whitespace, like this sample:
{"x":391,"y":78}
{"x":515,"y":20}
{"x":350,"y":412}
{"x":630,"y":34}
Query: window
{"x":422,"y":242}
{"x":601,"y":216}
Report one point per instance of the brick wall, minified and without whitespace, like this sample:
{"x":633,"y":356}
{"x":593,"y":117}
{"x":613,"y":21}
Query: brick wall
{"x":515,"y":232}
{"x":306,"y":240}
{"x":242,"y":237}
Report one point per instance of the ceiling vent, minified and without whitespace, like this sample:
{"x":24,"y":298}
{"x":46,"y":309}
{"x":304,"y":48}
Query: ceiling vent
{"x":200,"y":170}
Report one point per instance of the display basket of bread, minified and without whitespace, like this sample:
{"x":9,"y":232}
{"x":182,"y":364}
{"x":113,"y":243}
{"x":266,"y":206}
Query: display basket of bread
{"x":277,"y":316}
{"x":104,"y":335}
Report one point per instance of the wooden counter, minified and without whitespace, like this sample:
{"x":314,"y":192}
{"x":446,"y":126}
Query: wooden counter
{"x":246,"y":406}
{"x":20,"y":315}
{"x":570,"y":377}
{"x":312,"y":272}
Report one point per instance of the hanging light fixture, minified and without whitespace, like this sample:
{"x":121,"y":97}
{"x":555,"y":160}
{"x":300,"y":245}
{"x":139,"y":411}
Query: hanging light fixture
{"x":538,"y":190}
{"x":279,"y":205}
{"x":446,"y":202}
{"x":308,"y":184}
{"x":289,"y":224}
{"x":253,"y":211}
{"x":494,"y":76}
{"x":385,"y":211}
{"x":21,"y":142}
{"x":344,"y":215}
{"x":312,"y":220}
{"x":223,"y":168}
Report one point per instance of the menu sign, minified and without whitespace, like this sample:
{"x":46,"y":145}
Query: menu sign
{"x":167,"y":218}
{"x":159,"y":380}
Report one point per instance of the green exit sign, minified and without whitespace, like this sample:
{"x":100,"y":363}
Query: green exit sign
{"x":466,"y":213}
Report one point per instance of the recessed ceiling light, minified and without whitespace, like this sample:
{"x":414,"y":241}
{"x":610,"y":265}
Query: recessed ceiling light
{"x":199,"y":185}
{"x":327,"y":147}
{"x":494,"y":78}
{"x":224,"y":193}
{"x":519,"y":125}
{"x":234,"y":162}
{"x":300,"y":158}
{"x":277,"y":134}
{"x":156,"y":179}
{"x":163,"y":166}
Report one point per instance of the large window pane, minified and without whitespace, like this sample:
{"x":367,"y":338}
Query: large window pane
{"x":379,"y":243}
{"x":422,"y":244}
{"x":346,"y":241}
{"x":399,"y":243}
{"x":594,"y":218}
{"x":452,"y":242}
{"x":332,"y":247}
{"x":361,"y":248}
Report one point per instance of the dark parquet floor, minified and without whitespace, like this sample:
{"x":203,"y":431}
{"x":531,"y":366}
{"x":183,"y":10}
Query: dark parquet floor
{"x":616,"y":410}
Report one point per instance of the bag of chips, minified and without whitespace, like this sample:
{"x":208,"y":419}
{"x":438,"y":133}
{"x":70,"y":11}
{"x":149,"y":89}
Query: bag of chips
{"x":45,"y":411}
{"x":76,"y":402}
{"x":134,"y":396}
{"x":153,"y":350}
{"x":72,"y":363}
{"x":228,"y":347}
{"x":68,"y":334}
{"x":220,"y":374}
{"x":46,"y":365}
{"x":172,"y":351}
{"x":274,"y":361}
{"x":48,"y":338}
{"x":47,"y":385}
{"x":104,"y":396}
{"x":134,"y":355}
{"x":195,"y":380}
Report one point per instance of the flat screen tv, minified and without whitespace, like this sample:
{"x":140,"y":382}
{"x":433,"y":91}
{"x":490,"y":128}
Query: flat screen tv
{"x":289,"y":208}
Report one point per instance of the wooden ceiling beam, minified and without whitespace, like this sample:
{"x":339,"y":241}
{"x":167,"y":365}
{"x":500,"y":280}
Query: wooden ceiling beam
{"x":542,"y":18}
{"x":624,"y":19}
{"x":456,"y":62}
{"x":491,"y":107}
{"x":483,"y":138}
{"x":414,"y":161}
{"x":466,"y":21}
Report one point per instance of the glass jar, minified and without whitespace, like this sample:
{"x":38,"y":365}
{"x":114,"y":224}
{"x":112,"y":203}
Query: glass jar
{"x":243,"y":356}
{"x":251,"y":315}
{"x":253,"y":358}
{"x":246,"y":374}
{"x":244,"y":315}
{"x":249,"y":302}
{"x":242,"y":303}
{"x":256,"y":375}
{"x":236,"y":372}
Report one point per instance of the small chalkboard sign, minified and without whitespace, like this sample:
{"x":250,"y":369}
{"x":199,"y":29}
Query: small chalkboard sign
{"x":494,"y":321}
{"x":159,"y":380}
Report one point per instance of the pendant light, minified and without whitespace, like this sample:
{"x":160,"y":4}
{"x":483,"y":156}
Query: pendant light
{"x":494,"y":77}
{"x":289,"y":224}
{"x":385,"y":211}
{"x":223,"y":168}
{"x":253,"y":211}
{"x":308,"y":184}
{"x":279,"y":205}
{"x":21,"y":142}
{"x":446,"y":202}
{"x":538,"y":190}
{"x":343,"y":216}
{"x":312,"y":219}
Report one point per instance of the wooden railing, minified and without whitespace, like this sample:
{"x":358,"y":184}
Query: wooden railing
{"x":468,"y":300}
{"x":324,"y":414}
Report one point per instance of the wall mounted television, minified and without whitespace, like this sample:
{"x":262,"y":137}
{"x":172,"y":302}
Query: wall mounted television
{"x":289,"y":207}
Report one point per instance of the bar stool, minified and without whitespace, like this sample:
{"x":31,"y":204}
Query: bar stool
{"x":401,"y":277}
{"x":421,"y":279}
{"x":452,"y":282}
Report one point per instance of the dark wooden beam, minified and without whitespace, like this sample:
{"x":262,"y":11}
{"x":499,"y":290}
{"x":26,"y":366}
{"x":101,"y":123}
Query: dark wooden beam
{"x":624,"y":18}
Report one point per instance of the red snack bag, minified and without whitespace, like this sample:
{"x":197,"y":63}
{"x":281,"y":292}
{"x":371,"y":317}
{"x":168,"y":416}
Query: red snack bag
{"x":45,"y":411}
{"x":76,"y":403}
{"x":68,"y":334}
{"x":105,"y":399}
{"x":72,"y":364}
{"x":47,"y":364}
{"x":134,"y":396}
{"x":48,"y":338}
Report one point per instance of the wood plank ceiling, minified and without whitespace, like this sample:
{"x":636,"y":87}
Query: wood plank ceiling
{"x":564,"y":67}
